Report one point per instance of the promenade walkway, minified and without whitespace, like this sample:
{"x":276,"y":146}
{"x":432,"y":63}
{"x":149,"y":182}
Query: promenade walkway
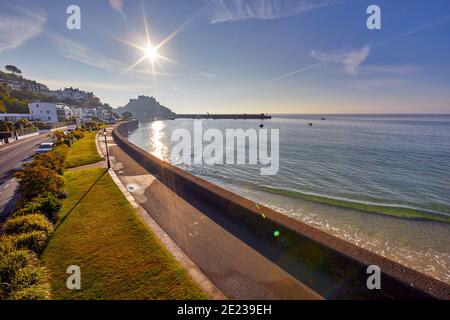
{"x":236,"y":269}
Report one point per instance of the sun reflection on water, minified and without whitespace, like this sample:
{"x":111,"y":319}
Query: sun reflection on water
{"x":157,"y":139}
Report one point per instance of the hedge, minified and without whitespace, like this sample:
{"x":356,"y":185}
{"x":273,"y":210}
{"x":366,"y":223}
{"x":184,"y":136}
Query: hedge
{"x":34,"y":241}
{"x":46,"y":204}
{"x":28,"y":223}
{"x":20,"y":275}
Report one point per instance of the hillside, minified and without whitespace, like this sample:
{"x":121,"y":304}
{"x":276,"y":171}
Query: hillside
{"x":14,"y":102}
{"x":16,"y":92}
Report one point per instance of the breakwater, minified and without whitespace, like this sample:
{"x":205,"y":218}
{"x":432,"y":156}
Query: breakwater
{"x":244,"y":116}
{"x":297,"y":241}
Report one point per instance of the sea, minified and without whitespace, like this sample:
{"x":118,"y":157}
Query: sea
{"x":381,"y":182}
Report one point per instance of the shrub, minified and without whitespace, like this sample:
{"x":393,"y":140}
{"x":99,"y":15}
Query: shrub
{"x":34,"y":179}
{"x":46,"y":204}
{"x":11,"y":264}
{"x":28,"y":223}
{"x":49,"y":160}
{"x":39,"y":291}
{"x":59,"y":136}
{"x":13,"y":260}
{"x":21,"y":277}
{"x":61,"y":150}
{"x":34,"y":241}
{"x":78,"y":134}
{"x":53,"y":160}
{"x":68,"y":141}
{"x":27,"y":276}
{"x":7,"y":244}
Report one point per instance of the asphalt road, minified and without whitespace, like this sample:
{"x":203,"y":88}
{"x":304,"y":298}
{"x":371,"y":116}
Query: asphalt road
{"x":11,"y":156}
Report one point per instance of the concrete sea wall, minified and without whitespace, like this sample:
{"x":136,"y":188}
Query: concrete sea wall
{"x":341,"y":259}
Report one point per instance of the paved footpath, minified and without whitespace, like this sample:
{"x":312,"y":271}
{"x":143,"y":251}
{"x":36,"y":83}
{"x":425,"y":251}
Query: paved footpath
{"x":235,"y":268}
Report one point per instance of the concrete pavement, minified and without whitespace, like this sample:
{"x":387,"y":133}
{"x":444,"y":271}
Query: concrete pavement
{"x":236,"y":268}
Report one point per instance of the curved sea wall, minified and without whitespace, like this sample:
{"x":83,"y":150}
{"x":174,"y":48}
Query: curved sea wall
{"x":298,"y":240}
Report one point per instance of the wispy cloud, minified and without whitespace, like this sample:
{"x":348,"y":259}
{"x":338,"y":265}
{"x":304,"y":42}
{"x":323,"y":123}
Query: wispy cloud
{"x":350,"y":60}
{"x":232,"y":10}
{"x":80,"y":53}
{"x":117,"y":5}
{"x":289,"y":74}
{"x":75,"y":51}
{"x":415,"y":30}
{"x":18,"y":25}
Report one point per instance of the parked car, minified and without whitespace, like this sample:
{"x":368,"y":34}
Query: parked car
{"x":44,"y":147}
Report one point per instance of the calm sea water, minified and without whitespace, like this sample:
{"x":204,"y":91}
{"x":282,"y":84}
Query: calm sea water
{"x":399,"y":161}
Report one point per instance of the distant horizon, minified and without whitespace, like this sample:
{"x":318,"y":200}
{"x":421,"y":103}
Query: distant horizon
{"x":365,"y":114}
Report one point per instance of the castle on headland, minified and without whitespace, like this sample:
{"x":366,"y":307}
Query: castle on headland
{"x":144,"y":107}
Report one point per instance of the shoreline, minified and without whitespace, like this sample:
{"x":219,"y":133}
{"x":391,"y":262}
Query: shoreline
{"x":411,"y":242}
{"x":301,"y":240}
{"x":396,"y":211}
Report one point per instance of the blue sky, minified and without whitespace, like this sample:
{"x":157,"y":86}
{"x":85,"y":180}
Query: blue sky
{"x":276,"y":56}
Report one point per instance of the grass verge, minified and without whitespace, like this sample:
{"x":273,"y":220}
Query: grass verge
{"x":83,"y":152}
{"x":119,"y":256}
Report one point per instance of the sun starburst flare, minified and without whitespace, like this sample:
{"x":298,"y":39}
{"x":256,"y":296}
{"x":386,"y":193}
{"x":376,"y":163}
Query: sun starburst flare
{"x":152,"y":52}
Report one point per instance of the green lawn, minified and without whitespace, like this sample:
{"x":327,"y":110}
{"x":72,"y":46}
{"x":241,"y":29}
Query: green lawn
{"x":83,"y":152}
{"x":119,"y":256}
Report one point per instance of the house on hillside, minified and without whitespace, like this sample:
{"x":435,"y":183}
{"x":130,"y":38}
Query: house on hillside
{"x":49,"y":112}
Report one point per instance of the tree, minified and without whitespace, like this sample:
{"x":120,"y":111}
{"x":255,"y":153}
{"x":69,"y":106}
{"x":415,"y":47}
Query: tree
{"x":6,"y":126}
{"x":23,"y":123}
{"x":13,"y":69}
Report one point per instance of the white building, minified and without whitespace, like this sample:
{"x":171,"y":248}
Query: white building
{"x":49,"y":112}
{"x":77,"y":112}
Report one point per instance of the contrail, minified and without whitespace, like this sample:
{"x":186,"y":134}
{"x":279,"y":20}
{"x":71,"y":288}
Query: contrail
{"x":291,"y":73}
{"x":415,"y":30}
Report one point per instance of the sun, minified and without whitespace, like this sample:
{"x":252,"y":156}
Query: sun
{"x":151,"y":53}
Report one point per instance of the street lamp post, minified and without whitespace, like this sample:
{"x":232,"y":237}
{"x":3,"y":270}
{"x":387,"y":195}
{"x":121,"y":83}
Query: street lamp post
{"x":107,"y":151}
